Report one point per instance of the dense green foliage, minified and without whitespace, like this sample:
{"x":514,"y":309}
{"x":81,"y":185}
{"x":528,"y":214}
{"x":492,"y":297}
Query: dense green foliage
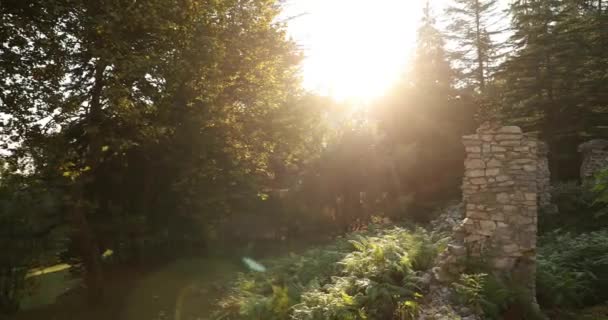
{"x":486,"y":294}
{"x":365,"y":275}
{"x":375,"y":275}
{"x":573,"y":250}
{"x":573,"y":269}
{"x":553,"y":77}
{"x":155,"y":129}
{"x":601,"y":190}
{"x":28,"y":233}
{"x":153,"y":119}
{"x":580,"y":209}
{"x":495,"y":296}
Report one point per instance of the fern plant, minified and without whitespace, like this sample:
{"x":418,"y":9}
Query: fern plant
{"x":573,"y":269}
{"x":371,"y":275}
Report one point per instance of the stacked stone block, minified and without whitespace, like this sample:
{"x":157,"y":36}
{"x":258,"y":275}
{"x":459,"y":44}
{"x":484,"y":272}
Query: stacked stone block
{"x":595,"y":158}
{"x":544,"y":179}
{"x":506,"y":178}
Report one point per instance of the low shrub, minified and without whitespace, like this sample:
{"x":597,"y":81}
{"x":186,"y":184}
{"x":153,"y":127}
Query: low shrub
{"x":28,"y":235}
{"x":599,"y":312}
{"x":572,"y":273}
{"x":485,"y":294}
{"x":572,"y":269}
{"x":371,"y":275}
{"x":579,"y":209}
{"x":494,"y":296}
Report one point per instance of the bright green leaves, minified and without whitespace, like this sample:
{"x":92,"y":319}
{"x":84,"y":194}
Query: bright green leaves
{"x":280,"y":301}
{"x":409,"y":309}
{"x":366,"y":276}
{"x":72,"y":171}
{"x":469,"y":290}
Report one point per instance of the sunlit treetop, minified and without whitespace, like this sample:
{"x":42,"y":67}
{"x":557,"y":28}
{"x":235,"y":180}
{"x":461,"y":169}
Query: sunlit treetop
{"x":355,"y":49}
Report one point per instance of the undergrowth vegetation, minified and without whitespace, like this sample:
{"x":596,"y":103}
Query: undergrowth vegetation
{"x":493,"y":296}
{"x":573,"y":269}
{"x":377,"y":274}
{"x":484,"y":293}
{"x":369,"y":275}
{"x":580,"y":208}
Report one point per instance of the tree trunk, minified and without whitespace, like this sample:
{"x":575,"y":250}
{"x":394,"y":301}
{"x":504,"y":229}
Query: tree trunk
{"x":84,"y":234}
{"x":480,"y":65}
{"x":87,"y":245}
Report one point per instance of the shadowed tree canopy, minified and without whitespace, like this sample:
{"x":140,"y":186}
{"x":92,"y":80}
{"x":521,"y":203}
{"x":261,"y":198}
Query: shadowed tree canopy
{"x":553,"y":79}
{"x":154,"y":117}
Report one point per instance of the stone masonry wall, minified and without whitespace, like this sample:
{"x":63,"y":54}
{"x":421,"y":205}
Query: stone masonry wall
{"x":595,"y":157}
{"x":506,"y":178}
{"x":543,"y":178}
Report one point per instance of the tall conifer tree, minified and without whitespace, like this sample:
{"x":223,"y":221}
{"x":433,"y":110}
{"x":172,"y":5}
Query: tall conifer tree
{"x":474,"y":50}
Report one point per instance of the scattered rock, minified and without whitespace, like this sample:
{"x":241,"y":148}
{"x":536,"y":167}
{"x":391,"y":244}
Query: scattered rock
{"x":457,"y":250}
{"x":425,"y":280}
{"x":449,"y":218}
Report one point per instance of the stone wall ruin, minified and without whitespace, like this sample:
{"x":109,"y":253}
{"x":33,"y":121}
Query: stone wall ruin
{"x":506,"y":181}
{"x":595,"y":157}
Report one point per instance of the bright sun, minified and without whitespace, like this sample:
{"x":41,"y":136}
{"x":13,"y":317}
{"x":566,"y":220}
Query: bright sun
{"x":355,"y":49}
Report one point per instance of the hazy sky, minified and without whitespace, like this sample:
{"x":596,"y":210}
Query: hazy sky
{"x":355,"y":49}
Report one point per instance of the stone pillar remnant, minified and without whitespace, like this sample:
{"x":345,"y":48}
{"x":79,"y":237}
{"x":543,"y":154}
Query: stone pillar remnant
{"x":543,"y":178}
{"x":506,"y":180}
{"x":595,"y":157}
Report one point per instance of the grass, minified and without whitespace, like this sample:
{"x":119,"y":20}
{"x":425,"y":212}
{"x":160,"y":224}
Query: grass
{"x":49,"y":284}
{"x":186,"y":289}
{"x":183,"y":290}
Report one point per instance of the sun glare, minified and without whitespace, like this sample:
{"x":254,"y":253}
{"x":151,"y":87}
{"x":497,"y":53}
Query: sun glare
{"x":355,"y":49}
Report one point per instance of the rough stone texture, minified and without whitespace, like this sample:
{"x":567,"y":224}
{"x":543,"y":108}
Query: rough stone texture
{"x":595,"y":157}
{"x":438,"y":303}
{"x":544,"y":178}
{"x":501,"y":206}
{"x":506,"y":181}
{"x":438,"y":306}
